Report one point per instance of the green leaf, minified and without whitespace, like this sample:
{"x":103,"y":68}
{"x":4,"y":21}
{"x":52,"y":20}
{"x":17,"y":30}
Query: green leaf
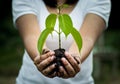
{"x":77,"y":37}
{"x":42,"y":39}
{"x":65,"y":23}
{"x":50,"y":21}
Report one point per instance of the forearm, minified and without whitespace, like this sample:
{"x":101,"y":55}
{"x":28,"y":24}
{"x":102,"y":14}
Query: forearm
{"x":31,"y":46}
{"x":90,"y":31}
{"x":29,"y":31}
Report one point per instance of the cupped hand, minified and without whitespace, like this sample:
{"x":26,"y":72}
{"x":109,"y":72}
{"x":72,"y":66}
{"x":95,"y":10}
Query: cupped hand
{"x":43,"y":63}
{"x":71,"y":66}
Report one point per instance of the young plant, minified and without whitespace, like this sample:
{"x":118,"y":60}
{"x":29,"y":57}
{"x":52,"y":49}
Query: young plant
{"x":65,"y":26}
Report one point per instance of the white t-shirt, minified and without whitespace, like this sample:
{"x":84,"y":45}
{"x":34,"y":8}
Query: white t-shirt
{"x":28,"y":73}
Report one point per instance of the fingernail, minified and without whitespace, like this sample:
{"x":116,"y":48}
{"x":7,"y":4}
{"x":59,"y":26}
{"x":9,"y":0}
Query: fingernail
{"x":63,"y":59}
{"x":52,"y":57}
{"x":51,"y":52}
{"x":66,"y":53}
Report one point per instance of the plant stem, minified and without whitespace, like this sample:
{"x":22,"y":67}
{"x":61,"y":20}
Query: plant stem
{"x":59,"y":30}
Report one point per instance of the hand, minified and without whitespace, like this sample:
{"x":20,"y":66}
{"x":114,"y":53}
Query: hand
{"x":71,"y":66}
{"x":43,"y":63}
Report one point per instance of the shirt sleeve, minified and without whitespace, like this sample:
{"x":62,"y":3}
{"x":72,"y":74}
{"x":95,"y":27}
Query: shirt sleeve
{"x":99,"y":7}
{"x":22,"y":7}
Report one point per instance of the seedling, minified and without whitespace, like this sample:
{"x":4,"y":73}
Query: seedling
{"x":65,"y":26}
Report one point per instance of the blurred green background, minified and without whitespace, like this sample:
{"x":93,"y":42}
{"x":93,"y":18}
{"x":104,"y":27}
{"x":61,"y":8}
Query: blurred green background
{"x":106,"y":51}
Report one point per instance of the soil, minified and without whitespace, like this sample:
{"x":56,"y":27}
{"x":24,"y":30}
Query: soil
{"x":59,"y":53}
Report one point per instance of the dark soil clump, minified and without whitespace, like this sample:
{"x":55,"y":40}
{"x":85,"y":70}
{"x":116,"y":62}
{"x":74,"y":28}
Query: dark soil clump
{"x":59,"y":53}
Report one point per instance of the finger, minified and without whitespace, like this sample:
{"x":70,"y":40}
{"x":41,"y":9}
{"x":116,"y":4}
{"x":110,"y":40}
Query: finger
{"x":48,"y":70}
{"x":45,"y":63}
{"x":48,"y":54}
{"x":73,"y":62}
{"x":52,"y":75}
{"x":69,"y":69}
{"x":44,"y":51}
{"x":37,"y":60}
{"x":62,"y":73}
{"x":78,"y":59}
